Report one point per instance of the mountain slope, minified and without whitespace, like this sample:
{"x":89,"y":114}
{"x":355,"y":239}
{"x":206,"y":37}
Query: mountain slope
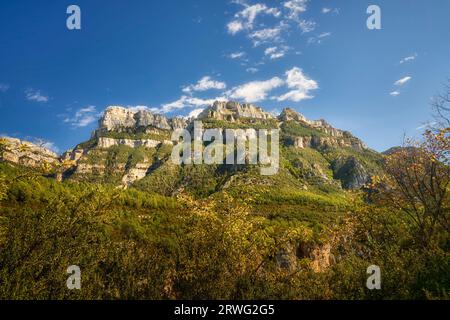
{"x":132,"y":148}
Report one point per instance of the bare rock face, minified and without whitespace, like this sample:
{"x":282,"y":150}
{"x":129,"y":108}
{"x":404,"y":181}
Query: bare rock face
{"x":106,"y":143}
{"x":25,"y":153}
{"x":72,"y":155}
{"x":116,"y":118}
{"x":232,"y":111}
{"x":135,"y":174}
{"x":351,"y":172}
{"x":146,"y":118}
{"x":319,"y":142}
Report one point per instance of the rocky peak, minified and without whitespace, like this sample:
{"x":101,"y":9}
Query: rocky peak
{"x":289,"y":114}
{"x":232,"y":111}
{"x":116,"y":118}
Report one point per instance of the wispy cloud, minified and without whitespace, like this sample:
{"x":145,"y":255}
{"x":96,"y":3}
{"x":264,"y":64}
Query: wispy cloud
{"x":402,"y":81}
{"x":265,"y":35}
{"x":394,"y":93}
{"x":237,"y":55}
{"x":83,"y":117}
{"x":319,"y":39}
{"x":409,"y":58}
{"x":4,"y":87}
{"x":327,"y":10}
{"x":276,"y":52}
{"x":307,"y":26}
{"x":36,"y":95}
{"x":263,"y":24}
{"x":295,"y":8}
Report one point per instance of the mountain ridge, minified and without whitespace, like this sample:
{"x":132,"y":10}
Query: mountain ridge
{"x":131,"y":144}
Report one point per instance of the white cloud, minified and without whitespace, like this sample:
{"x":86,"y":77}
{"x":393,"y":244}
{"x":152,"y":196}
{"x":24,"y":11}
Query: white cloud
{"x":252,"y":70}
{"x":275,"y":52}
{"x":394,"y":93}
{"x":287,"y":14}
{"x":35,"y":95}
{"x":244,"y":19}
{"x":234,"y":27}
{"x":237,"y":55}
{"x":402,"y":81}
{"x":264,"y":35}
{"x":307,"y":26}
{"x":324,"y":35}
{"x":204,"y":84}
{"x":4,"y":87}
{"x":319,"y":39}
{"x":330,"y":10}
{"x":295,"y":8}
{"x":300,"y":84}
{"x":188,"y":102}
{"x":256,"y":90}
{"x":409,"y":58}
{"x":83,"y":117}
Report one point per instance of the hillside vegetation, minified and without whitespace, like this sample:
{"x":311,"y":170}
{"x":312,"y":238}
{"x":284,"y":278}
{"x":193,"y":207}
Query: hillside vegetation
{"x":225,"y":231}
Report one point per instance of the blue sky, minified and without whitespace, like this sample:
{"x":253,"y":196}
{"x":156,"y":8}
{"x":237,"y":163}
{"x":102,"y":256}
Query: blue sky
{"x":176,"y":56}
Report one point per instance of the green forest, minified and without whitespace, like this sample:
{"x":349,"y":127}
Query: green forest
{"x":234,"y":244}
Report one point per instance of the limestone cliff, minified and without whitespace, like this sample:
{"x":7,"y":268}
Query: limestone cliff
{"x":325,"y":136}
{"x":232,"y":111}
{"x":116,"y":118}
{"x":25,"y":153}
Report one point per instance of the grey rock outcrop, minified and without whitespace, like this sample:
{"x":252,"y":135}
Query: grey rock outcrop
{"x":232,"y":111}
{"x":328,"y":141}
{"x":289,"y":114}
{"x":105,"y":143}
{"x":351,"y":173}
{"x":136,"y":173}
{"x":116,"y":118}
